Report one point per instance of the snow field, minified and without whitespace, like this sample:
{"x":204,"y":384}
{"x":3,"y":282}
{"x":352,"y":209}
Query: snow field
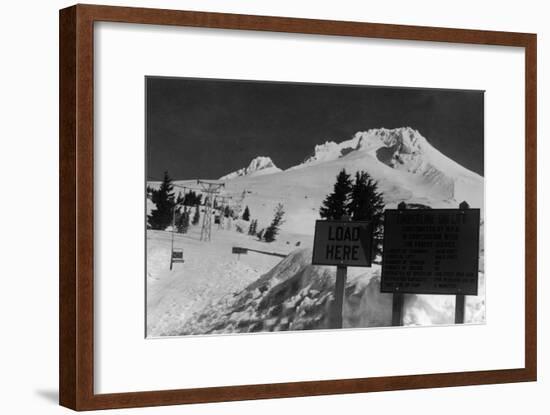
{"x":210,"y":271}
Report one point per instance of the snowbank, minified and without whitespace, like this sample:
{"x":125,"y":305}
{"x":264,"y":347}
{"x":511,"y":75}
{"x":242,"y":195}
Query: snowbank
{"x":296,"y":295}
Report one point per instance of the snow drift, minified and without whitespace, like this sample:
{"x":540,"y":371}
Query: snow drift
{"x":296,"y":295}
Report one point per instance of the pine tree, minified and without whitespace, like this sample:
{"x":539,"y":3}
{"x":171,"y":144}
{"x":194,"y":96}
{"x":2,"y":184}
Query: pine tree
{"x":246,"y":214}
{"x":252,"y":227}
{"x":191,"y":199}
{"x":227,"y":211}
{"x":335,"y":204}
{"x":197,"y":215}
{"x":272,"y":230}
{"x":182,"y":221}
{"x":163,"y":198}
{"x":367,"y":203}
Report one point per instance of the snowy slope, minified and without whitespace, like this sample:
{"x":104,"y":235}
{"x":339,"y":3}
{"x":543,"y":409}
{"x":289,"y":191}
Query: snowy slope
{"x":210,"y":272}
{"x":296,"y":295}
{"x":258,"y":166}
{"x":403,"y":162}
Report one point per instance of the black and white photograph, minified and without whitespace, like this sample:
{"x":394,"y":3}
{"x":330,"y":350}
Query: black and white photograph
{"x":282,"y":206}
{"x":264,"y":207}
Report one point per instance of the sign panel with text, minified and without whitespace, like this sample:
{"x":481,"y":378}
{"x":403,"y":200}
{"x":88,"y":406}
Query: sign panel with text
{"x":431,"y":251}
{"x":342,"y":243}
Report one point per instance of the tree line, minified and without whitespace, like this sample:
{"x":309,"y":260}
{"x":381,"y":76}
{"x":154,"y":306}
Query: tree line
{"x":185,"y":210}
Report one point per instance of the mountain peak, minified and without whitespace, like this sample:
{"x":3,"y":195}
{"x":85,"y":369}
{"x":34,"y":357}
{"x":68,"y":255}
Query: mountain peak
{"x":260,"y":162}
{"x":407,"y":139}
{"x":403,"y":140}
{"x":258,"y":166}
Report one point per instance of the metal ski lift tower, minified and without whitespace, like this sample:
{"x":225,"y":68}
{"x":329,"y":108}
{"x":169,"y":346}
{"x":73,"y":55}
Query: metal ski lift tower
{"x":211,"y":189}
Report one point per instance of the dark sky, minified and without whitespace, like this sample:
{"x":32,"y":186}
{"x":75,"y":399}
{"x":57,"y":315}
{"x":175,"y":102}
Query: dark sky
{"x":204,"y":128}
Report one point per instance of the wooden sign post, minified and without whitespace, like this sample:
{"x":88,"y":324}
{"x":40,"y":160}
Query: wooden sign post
{"x":460,"y":308}
{"x":335,"y":320}
{"x":397,"y":309}
{"x":460,"y":299}
{"x":398,"y":300}
{"x":430,"y":251}
{"x":341,"y":243}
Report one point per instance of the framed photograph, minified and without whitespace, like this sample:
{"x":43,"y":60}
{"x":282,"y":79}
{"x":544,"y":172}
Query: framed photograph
{"x":257,"y":207}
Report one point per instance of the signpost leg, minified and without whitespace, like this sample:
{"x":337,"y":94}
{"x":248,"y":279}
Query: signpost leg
{"x":460,"y":308}
{"x":460,"y":302}
{"x":398,"y":298}
{"x":338,"y":304}
{"x":397,"y":309}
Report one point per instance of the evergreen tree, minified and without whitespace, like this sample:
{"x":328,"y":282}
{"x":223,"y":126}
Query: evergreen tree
{"x":182,"y":221}
{"x":246,"y":214}
{"x":179,"y":199}
{"x":190,"y":198}
{"x":197,"y":215}
{"x":252,"y":227}
{"x":163,"y":198}
{"x":367,"y":203}
{"x":272,"y":230}
{"x":227,"y":211}
{"x":335,"y":204}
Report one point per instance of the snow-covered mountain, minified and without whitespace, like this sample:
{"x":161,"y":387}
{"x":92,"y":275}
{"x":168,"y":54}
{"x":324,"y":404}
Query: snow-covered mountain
{"x":400,"y":148}
{"x":258,"y":166}
{"x":403,"y":162}
{"x":406,"y":166}
{"x":403,"y":149}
